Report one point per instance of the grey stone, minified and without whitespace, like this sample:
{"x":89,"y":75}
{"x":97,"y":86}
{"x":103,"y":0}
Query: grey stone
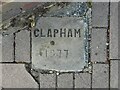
{"x":65,"y":81}
{"x":114,"y":74}
{"x":59,"y":51}
{"x":7,"y":48}
{"x":47,"y":80}
{"x":118,"y":75}
{"x":12,"y":9}
{"x":0,"y":47}
{"x":100,"y":1}
{"x":0,"y":61}
{"x":100,"y":77}
{"x":22,"y":49}
{"x":0,"y":14}
{"x":98,"y":45}
{"x":100,"y":14}
{"x":16,"y":76}
{"x":114,"y":31}
{"x":82,"y":80}
{"x":0,"y":76}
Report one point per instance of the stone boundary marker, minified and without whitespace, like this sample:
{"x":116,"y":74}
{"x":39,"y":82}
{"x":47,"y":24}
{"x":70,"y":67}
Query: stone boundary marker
{"x":104,"y":70}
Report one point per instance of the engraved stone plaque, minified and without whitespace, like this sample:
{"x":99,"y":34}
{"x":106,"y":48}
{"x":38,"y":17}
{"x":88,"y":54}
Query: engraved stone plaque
{"x":60,"y":43}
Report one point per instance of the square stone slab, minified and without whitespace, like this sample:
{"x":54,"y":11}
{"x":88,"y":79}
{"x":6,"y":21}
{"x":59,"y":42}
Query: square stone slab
{"x":59,"y":44}
{"x":60,"y":39}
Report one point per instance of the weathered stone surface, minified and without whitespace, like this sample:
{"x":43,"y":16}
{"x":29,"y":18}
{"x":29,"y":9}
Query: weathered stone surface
{"x":100,"y":76}
{"x":0,"y":14}
{"x":0,"y":76}
{"x":119,"y":75}
{"x":0,"y":47}
{"x":22,"y":49}
{"x":82,"y":80}
{"x":60,"y":44}
{"x":114,"y":31}
{"x":65,"y":81}
{"x":7,"y":48}
{"x":98,"y":45}
{"x":100,"y":14}
{"x":114,"y":74}
{"x":16,"y":76}
{"x":47,"y":80}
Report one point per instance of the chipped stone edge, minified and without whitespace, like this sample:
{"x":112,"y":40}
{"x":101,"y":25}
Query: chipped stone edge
{"x":87,"y":68}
